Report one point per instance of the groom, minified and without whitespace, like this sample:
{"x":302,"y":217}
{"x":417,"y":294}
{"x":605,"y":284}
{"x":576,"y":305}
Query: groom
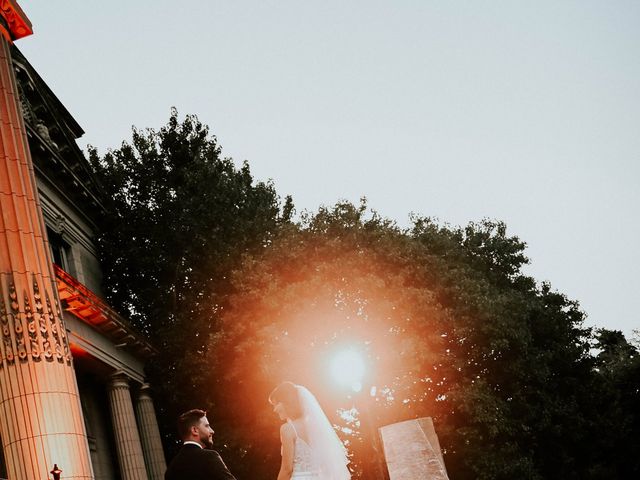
{"x":195,"y":460}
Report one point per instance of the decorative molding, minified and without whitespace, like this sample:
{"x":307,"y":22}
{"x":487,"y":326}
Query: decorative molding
{"x":58,"y":332}
{"x":20,"y":345}
{"x":18,"y":23}
{"x":118,"y":380}
{"x":75,"y":229}
{"x":92,"y":310}
{"x":42,"y":317}
{"x":6,"y":325}
{"x":83,"y":338}
{"x":33,"y":331}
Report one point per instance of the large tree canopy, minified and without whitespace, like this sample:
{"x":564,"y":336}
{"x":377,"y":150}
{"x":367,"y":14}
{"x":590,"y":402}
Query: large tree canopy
{"x":450,"y":327}
{"x":237,"y":298}
{"x":181,"y":217}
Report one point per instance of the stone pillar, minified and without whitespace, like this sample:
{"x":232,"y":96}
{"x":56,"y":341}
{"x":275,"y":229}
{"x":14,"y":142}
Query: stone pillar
{"x":41,"y":422}
{"x":150,"y":435}
{"x":130,"y":456}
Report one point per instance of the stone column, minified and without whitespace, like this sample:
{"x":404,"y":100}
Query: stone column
{"x":41,"y":422}
{"x":130,"y":456}
{"x":150,"y":435}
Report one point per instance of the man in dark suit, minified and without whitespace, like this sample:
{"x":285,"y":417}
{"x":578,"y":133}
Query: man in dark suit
{"x":195,"y":460}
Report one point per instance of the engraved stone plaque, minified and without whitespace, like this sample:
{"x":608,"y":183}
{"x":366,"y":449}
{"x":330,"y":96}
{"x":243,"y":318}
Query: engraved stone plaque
{"x":412,"y":451}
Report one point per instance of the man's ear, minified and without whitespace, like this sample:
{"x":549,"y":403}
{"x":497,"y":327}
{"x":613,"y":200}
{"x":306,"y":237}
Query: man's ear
{"x":194,"y":430}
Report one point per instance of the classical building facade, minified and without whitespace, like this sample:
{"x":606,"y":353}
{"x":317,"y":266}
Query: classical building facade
{"x":72,"y":384}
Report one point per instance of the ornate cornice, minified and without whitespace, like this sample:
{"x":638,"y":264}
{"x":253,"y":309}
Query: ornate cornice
{"x":81,"y":302}
{"x":16,"y":21}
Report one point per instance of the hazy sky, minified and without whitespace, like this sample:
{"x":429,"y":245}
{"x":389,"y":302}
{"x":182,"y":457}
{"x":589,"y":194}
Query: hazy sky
{"x":527,"y":112}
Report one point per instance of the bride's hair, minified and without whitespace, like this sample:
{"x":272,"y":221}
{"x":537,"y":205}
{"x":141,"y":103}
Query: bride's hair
{"x":287,"y":393}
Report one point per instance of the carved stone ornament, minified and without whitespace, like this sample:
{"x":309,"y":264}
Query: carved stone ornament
{"x":18,"y":328}
{"x":58,"y":332}
{"x":34,"y":332}
{"x":6,"y":325}
{"x":61,"y":225}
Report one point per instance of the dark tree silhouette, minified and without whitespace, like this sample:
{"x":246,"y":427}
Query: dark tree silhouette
{"x":237,"y":298}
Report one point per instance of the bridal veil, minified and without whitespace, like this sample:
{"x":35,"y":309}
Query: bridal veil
{"x":327,"y":449}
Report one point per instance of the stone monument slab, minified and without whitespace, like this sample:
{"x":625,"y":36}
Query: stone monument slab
{"x":412,"y":451}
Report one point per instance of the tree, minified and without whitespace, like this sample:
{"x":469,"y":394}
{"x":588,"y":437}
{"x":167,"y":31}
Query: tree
{"x":451,"y":328}
{"x":316,"y":288}
{"x":180,"y":218}
{"x":618,"y":381}
{"x":237,"y":298}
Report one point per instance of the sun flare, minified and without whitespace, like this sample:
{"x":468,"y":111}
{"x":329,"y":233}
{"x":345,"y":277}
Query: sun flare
{"x":348,"y":369}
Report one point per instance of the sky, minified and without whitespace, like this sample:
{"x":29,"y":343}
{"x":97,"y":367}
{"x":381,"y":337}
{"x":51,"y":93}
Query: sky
{"x":525,"y":112}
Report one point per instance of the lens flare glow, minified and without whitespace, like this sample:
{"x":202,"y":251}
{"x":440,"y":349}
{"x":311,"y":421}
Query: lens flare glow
{"x":348,"y":368}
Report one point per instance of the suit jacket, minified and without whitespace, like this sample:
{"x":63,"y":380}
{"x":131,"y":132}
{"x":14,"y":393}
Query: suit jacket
{"x":195,"y":463}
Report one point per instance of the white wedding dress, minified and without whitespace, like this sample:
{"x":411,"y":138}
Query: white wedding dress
{"x":304,"y":465}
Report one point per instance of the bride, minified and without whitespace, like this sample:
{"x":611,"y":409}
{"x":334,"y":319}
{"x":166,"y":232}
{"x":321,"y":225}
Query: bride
{"x":310,"y":447}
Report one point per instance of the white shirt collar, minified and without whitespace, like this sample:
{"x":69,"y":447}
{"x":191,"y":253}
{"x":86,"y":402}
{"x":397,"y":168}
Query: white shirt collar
{"x":192,"y":443}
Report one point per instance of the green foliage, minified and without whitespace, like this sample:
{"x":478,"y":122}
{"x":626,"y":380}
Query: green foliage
{"x":450,"y":326}
{"x":181,"y":217}
{"x":237,"y":298}
{"x":617,"y":393}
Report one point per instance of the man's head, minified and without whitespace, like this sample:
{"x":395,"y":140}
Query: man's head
{"x":194,"y":426}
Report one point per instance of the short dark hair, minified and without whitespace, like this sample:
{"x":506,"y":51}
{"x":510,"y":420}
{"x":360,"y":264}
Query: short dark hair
{"x":287,"y":393}
{"x":189,"y":419}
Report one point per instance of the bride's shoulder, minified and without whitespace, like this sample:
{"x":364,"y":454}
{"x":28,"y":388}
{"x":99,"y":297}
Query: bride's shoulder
{"x":287,"y":430}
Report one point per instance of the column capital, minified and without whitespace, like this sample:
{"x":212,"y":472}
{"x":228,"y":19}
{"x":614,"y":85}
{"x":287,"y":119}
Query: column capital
{"x":15,"y":23}
{"x":118,"y":379}
{"x":145,"y":391}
